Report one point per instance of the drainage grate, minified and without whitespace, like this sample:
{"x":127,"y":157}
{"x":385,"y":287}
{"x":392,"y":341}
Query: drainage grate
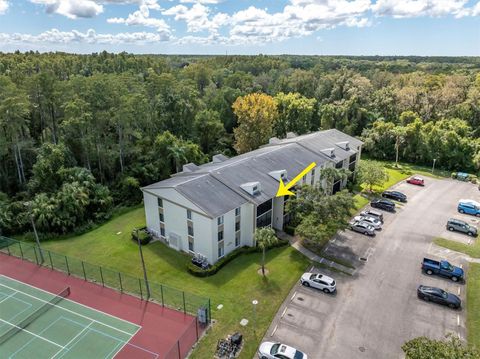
{"x":363,"y":259}
{"x":300,"y":299}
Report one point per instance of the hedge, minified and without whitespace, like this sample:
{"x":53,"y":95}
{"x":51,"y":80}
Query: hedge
{"x":143,"y":235}
{"x":199,"y":272}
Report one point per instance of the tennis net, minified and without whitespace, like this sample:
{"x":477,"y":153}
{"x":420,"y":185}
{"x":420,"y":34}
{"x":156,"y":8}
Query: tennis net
{"x":32,"y":317}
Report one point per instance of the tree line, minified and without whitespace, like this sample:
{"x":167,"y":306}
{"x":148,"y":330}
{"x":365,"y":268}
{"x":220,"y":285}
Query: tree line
{"x":80,"y":134}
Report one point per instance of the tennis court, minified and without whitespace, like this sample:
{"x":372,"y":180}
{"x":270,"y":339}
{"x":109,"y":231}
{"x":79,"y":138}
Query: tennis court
{"x":37,"y":324}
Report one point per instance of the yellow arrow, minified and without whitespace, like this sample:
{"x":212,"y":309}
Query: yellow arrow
{"x":283,"y":189}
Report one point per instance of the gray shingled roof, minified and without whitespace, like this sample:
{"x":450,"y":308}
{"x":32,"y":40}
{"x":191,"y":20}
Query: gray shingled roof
{"x":215,"y":187}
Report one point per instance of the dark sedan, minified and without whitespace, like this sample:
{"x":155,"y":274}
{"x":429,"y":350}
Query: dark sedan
{"x":384,"y":204}
{"x":437,"y":295}
{"x":395,"y":195}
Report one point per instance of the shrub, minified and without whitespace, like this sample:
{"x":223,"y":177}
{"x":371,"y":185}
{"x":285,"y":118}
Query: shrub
{"x":290,"y":230}
{"x":199,"y":272}
{"x":142,"y":235}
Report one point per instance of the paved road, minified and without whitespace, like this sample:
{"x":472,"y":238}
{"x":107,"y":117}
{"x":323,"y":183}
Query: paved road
{"x":377,"y":310}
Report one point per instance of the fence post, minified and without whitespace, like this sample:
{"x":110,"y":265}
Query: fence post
{"x":84,"y":273}
{"x":178,"y":346}
{"x":140,"y":285}
{"x":21,"y":250}
{"x":101,"y":276}
{"x":161,"y":292}
{"x":35,"y":251}
{"x":120,"y":279}
{"x":196,"y":326}
{"x":66,"y":263}
{"x":209,"y":316}
{"x":8,"y":250}
{"x":50,"y":258}
{"x":184,"y":307}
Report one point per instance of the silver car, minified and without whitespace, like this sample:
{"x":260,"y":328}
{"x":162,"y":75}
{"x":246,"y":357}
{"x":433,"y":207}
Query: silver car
{"x":362,"y":227}
{"x":374,"y":222}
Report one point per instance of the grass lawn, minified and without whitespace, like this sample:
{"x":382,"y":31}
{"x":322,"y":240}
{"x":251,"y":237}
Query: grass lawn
{"x":472,"y":250}
{"x":473,"y":304}
{"x":235,"y":286}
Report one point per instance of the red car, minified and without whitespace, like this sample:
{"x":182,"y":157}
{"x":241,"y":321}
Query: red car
{"x":416,"y":181}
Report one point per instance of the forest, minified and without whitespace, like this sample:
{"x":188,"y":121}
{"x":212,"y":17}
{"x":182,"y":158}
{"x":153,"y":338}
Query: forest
{"x":80,"y":134}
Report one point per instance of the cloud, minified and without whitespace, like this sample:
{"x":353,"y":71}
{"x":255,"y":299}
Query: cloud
{"x":141,"y":17}
{"x":55,"y":36}
{"x":71,"y":8}
{"x":418,"y":8}
{"x":197,"y":17}
{"x":3,"y":6}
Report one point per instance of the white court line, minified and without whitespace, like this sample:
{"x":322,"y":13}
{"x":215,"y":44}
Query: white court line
{"x":29,"y":332}
{"x":145,"y":350}
{"x":8,"y":296}
{"x":69,"y":300}
{"x":71,"y":311}
{"x":70,"y":342}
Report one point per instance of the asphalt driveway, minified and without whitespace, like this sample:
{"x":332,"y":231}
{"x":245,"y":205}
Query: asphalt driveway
{"x":375,"y":311}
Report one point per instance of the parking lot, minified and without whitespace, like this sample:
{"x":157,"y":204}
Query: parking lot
{"x":376,"y":310}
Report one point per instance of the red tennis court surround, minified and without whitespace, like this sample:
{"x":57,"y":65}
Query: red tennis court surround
{"x":164,"y":333}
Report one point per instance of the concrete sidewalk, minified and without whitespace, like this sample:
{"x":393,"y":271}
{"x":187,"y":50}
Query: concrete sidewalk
{"x":296,"y":243}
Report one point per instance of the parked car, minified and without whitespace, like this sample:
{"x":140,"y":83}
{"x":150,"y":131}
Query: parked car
{"x":362,"y":227}
{"x":461,"y":226}
{"x":372,"y":213}
{"x":437,"y":295}
{"x":416,"y":181}
{"x":469,"y":207}
{"x":442,"y":268}
{"x":395,"y":195}
{"x":270,"y":350}
{"x":373,"y":221}
{"x":384,"y":204}
{"x":319,"y":281}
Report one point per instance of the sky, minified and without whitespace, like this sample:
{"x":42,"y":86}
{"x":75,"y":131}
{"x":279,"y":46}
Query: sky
{"x":311,"y":27}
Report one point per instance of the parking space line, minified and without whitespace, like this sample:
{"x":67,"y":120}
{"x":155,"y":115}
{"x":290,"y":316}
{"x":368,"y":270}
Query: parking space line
{"x":274,"y":330}
{"x":458,"y":291}
{"x":293,"y":296}
{"x":284,"y":311}
{"x":458,"y":320}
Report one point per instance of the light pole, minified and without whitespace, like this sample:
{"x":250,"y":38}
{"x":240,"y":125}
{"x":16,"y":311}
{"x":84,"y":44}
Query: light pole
{"x":147,"y":286}
{"x":433,"y":167}
{"x":255,"y":302}
{"x":30,"y":214}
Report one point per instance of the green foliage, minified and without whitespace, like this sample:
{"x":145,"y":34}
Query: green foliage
{"x":295,"y":114}
{"x":372,"y":173}
{"x":141,"y":234}
{"x":128,"y":191}
{"x":451,"y":348}
{"x":209,"y":131}
{"x":265,"y":238}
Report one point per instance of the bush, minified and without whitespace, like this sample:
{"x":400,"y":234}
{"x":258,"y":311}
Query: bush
{"x":290,"y":230}
{"x":199,"y":272}
{"x":142,"y":235}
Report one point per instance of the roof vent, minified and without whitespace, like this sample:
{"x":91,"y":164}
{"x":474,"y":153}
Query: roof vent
{"x":190,"y":167}
{"x":281,"y":174}
{"x":252,"y":188}
{"x":345,"y":145}
{"x":291,"y":135}
{"x":330,"y":152}
{"x":219,"y":158}
{"x":274,"y":141}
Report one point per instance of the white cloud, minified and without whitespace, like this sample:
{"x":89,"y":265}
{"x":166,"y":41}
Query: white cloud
{"x":55,"y":36}
{"x":197,"y":17}
{"x":201,"y":1}
{"x":71,"y":8}
{"x":418,"y":8}
{"x":3,"y":6}
{"x":141,"y":17}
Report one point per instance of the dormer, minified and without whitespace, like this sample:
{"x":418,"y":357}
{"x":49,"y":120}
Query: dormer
{"x":219,"y":158}
{"x":274,"y":141}
{"x":280,"y":174}
{"x":330,"y":152}
{"x":252,"y":188}
{"x":291,"y":135}
{"x":190,"y":167}
{"x":345,"y":145}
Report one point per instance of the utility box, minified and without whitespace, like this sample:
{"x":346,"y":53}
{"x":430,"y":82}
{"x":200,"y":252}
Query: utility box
{"x":202,"y":315}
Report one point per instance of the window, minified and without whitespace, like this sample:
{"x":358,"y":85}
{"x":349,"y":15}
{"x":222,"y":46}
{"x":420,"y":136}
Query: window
{"x":220,"y":250}
{"x":190,"y":244}
{"x":264,"y":207}
{"x":220,"y":236}
{"x":237,"y":211}
{"x":353,"y":158}
{"x":304,"y":179}
{"x":237,"y":239}
{"x":189,"y":214}
{"x":339,"y":165}
{"x":312,"y":179}
{"x":264,"y":220}
{"x":190,"y":230}
{"x":162,"y":231}
{"x":237,"y":226}
{"x":160,"y":202}
{"x":220,"y":220}
{"x":162,"y":219}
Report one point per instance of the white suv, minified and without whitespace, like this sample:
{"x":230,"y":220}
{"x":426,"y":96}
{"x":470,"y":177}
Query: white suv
{"x":319,"y":281}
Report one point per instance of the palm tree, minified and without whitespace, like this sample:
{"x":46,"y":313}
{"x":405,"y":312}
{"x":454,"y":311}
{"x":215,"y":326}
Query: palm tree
{"x":265,"y":237}
{"x":331,"y":175}
{"x":178,"y":156}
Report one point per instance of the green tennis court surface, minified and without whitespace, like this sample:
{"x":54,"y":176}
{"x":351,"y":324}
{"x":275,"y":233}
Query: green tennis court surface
{"x":60,"y":328}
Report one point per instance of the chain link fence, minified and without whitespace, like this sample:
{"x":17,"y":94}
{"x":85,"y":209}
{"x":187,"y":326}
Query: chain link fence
{"x":179,"y":300}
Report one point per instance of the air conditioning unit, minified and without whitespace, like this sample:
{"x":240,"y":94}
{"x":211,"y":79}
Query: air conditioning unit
{"x":252,"y":188}
{"x":280,"y":174}
{"x":330,"y":152}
